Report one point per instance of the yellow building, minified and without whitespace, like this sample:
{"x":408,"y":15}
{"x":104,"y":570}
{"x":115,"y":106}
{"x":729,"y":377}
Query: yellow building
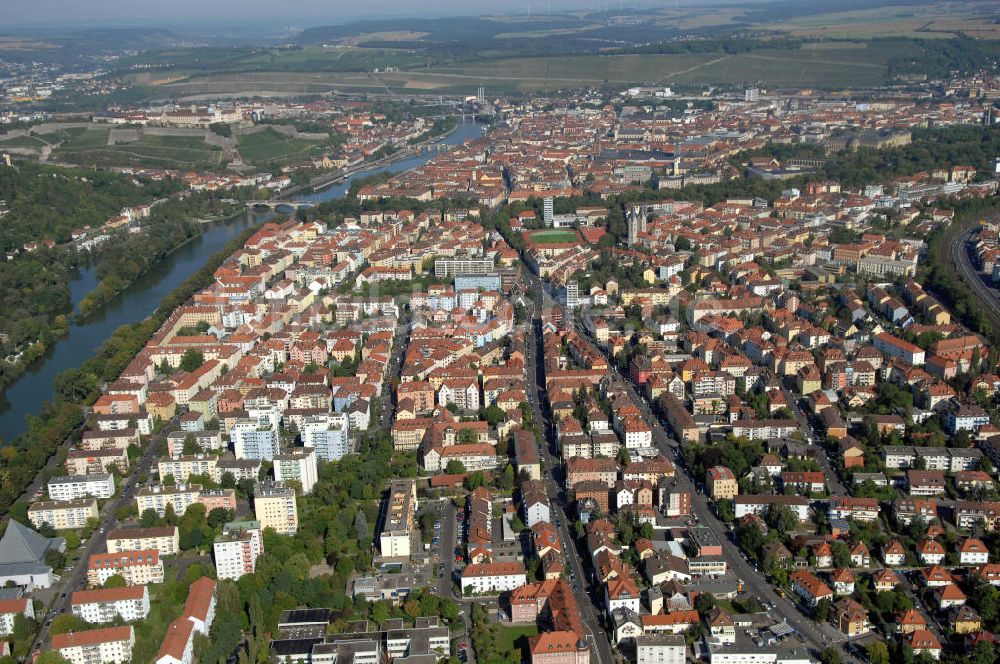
{"x":275,"y":507}
{"x":63,"y":515}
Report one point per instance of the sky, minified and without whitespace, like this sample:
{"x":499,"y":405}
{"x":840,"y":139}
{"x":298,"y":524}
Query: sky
{"x":300,"y":13}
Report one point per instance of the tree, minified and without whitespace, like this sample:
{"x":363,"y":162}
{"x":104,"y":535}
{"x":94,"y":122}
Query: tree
{"x":781,"y":518}
{"x":475,"y":480}
{"x":50,"y":657}
{"x":823,"y":610}
{"x":830,"y":655}
{"x":148,"y":518}
{"x":455,"y":467}
{"x":191,"y":445}
{"x":704,"y":603}
{"x":878,"y":652}
{"x":219,"y":516}
{"x":115,"y":581}
{"x":379,"y":612}
{"x":494,"y":415}
{"x":192,"y":359}
{"x":54,"y":558}
{"x":67,"y":622}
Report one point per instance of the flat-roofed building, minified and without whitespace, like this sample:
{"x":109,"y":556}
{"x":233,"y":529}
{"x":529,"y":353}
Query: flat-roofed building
{"x":66,"y":515}
{"x":158,"y":496}
{"x":298,"y":465}
{"x":164,"y":539}
{"x":181,"y":467}
{"x":275,"y":507}
{"x":74,"y":487}
{"x":236,"y":550}
{"x":398,"y":519}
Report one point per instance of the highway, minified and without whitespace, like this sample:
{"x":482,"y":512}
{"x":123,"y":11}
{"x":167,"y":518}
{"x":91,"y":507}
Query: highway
{"x":817,"y":636}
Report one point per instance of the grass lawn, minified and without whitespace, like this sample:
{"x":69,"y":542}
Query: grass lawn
{"x":508,"y":638}
{"x":269,"y":145}
{"x":552,"y":237}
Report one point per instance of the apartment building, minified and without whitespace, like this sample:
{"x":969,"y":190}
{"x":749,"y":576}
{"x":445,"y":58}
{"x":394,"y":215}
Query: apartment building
{"x":660,"y":649}
{"x":104,"y":605}
{"x":275,"y":507}
{"x":75,"y":487}
{"x":493,"y":578}
{"x":68,"y":515}
{"x":254,"y":439}
{"x":297,"y":465}
{"x":237,"y":548}
{"x":398,"y":519}
{"x":108,"y":645}
{"x":327,"y":434}
{"x":165,"y":539}
{"x":197,"y":618}
{"x":158,"y":496}
{"x":96,"y":462}
{"x":138,"y":568}
{"x":10,"y":609}
{"x":182,"y":467}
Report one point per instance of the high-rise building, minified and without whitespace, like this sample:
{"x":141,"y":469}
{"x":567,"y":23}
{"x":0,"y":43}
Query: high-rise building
{"x":548,"y":210}
{"x":237,"y":548}
{"x":298,"y":464}
{"x":275,"y":507}
{"x":399,"y":519}
{"x":327,"y":434}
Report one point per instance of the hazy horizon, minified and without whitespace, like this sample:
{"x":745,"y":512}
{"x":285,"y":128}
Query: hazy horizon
{"x":69,"y":14}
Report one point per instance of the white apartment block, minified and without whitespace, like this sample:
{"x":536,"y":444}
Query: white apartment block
{"x":165,"y":539}
{"x":327,"y":434}
{"x":399,"y":519}
{"x":104,"y":605}
{"x":109,"y":645}
{"x":74,"y":487}
{"x":158,"y":496}
{"x":10,"y":609}
{"x":254,"y":439}
{"x":299,"y":465}
{"x":183,"y":467}
{"x":493,"y":578}
{"x":68,"y":515}
{"x":660,"y":649}
{"x":237,"y":548}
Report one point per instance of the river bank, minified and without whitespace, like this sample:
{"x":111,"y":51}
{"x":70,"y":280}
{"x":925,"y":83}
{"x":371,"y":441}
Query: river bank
{"x":25,"y":396}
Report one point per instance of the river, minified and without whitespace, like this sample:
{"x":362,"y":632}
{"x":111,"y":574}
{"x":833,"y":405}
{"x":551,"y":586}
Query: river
{"x":139,"y":300}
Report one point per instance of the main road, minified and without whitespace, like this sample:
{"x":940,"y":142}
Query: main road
{"x":817,"y":636}
{"x":591,"y":602}
{"x":76,"y":579}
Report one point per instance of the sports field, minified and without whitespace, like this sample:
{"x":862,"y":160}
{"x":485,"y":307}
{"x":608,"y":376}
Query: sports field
{"x":554,"y":236}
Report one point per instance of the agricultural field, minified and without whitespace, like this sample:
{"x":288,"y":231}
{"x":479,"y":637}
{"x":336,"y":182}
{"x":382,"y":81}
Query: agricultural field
{"x":822,"y":64}
{"x":21,"y":142}
{"x":975,"y":19}
{"x":269,"y":145}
